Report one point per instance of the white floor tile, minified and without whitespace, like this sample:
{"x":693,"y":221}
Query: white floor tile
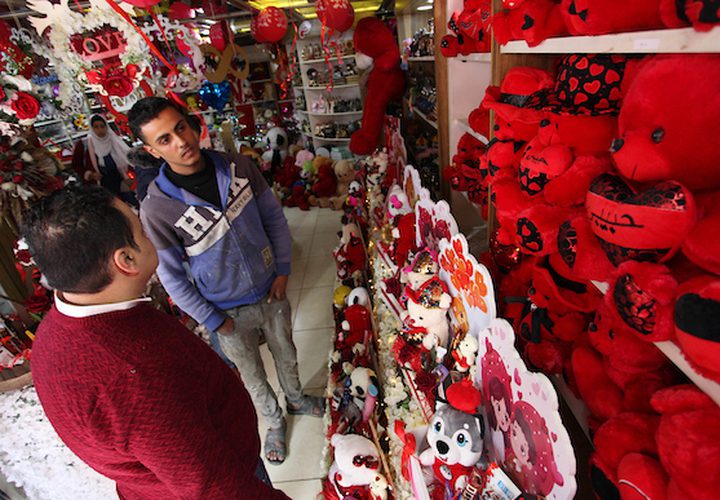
{"x":315,"y":309}
{"x":308,"y":489}
{"x":297,"y":274}
{"x":302,"y":244}
{"x":319,"y":271}
{"x":294,"y":299}
{"x":328,"y":221}
{"x":323,"y":244}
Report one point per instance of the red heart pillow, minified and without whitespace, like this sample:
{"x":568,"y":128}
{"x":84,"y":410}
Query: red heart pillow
{"x":647,"y":226}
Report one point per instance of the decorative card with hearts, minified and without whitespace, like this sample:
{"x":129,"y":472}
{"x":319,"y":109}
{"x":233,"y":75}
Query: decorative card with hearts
{"x":524,"y":430}
{"x":469,"y":281}
{"x":434,"y":222}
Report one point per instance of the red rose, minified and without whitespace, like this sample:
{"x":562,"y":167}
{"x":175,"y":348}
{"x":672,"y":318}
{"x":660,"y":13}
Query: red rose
{"x":18,"y":179}
{"x":25,"y":106}
{"x":118,"y":85}
{"x":2,"y":94}
{"x":115,"y":80}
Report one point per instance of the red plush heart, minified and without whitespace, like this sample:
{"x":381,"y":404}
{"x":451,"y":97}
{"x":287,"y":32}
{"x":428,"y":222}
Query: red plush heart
{"x":592,"y":87}
{"x":612,"y":76}
{"x":596,"y":69}
{"x":647,"y":226}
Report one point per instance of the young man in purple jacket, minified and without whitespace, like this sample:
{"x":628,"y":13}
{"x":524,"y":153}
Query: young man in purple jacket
{"x":215,"y":215}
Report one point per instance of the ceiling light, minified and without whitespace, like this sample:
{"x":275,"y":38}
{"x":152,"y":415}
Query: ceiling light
{"x":425,"y":7}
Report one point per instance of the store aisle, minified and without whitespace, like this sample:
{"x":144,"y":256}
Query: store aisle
{"x":310,"y":292}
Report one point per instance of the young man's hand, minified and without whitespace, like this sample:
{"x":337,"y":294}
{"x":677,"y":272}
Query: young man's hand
{"x":227,"y":327}
{"x":278,"y":289}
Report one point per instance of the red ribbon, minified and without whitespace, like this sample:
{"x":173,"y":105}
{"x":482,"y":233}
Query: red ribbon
{"x":324,"y":45}
{"x":409,"y":447}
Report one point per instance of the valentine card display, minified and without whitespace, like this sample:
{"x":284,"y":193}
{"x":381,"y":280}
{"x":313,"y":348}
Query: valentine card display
{"x":525,"y":432}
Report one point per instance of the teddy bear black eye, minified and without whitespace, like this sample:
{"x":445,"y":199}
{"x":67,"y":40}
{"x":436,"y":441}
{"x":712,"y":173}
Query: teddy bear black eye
{"x":658,"y":135}
{"x":438,"y":426}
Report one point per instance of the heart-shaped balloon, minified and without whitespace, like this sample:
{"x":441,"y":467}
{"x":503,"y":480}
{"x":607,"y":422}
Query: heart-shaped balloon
{"x":215,"y":95}
{"x":648,"y":226}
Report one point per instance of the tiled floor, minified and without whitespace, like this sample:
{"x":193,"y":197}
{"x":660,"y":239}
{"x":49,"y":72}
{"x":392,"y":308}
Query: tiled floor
{"x":310,"y":291}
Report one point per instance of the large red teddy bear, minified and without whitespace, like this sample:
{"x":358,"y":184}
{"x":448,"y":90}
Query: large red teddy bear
{"x":376,"y":45}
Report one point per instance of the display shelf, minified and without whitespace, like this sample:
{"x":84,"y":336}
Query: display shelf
{"x":422,"y":58}
{"x":324,"y":87}
{"x":330,"y":139}
{"x":463,"y":124}
{"x":315,"y":61}
{"x":422,"y":115}
{"x":685,"y":40}
{"x":674,"y":354}
{"x":345,"y":113}
{"x":483,"y":57}
{"x":263,"y":80}
{"x":46,"y":122}
{"x":577,"y":406}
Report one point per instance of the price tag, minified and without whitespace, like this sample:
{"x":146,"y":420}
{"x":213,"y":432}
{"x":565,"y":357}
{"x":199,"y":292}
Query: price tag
{"x":646,"y":44}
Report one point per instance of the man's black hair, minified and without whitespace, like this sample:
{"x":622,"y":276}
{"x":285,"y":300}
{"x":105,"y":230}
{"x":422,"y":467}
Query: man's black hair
{"x":148,"y":109}
{"x":73,"y":234}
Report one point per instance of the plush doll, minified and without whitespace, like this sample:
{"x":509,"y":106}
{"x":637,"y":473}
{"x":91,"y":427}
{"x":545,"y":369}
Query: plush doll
{"x":357,"y":326}
{"x":697,"y":323}
{"x":469,"y":30}
{"x":277,"y":143}
{"x":703,"y":15}
{"x":464,"y":355}
{"x":351,"y":259}
{"x":529,"y":20}
{"x":345,"y":174}
{"x":669,"y":111}
{"x":455,"y":435}
{"x":355,"y":467}
{"x":702,"y":246}
{"x":358,"y":397}
{"x":325,"y":184}
{"x":375,"y":45}
{"x":403,"y":235}
{"x":298,"y":197}
{"x":426,"y":320}
{"x":424,"y":266}
{"x":624,"y":434}
{"x":580,"y":250}
{"x":688,"y":441}
{"x":598,"y":17}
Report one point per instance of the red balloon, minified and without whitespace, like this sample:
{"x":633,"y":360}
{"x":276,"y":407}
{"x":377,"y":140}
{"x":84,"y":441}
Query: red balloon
{"x":217,"y":36}
{"x":142,"y":4}
{"x":180,"y":10}
{"x":338,"y":15}
{"x":271,"y":25}
{"x":254,"y":32}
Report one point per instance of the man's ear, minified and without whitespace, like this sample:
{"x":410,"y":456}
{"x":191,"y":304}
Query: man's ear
{"x":125,"y":261}
{"x":151,"y":150}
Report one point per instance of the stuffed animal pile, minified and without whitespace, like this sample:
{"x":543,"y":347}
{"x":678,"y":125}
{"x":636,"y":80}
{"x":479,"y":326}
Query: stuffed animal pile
{"x":353,"y":389}
{"x":606,"y":185}
{"x":469,"y":30}
{"x":536,"y":20}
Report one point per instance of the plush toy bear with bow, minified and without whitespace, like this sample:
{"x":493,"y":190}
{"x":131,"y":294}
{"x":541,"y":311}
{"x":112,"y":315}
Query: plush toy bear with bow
{"x":375,"y":45}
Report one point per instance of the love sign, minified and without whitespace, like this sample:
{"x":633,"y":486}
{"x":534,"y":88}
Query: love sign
{"x":104,"y":43}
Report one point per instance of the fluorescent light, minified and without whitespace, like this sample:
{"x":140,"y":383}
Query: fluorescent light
{"x":425,"y":7}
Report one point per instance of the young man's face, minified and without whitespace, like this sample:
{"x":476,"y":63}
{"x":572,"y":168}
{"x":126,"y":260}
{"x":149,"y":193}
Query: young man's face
{"x":169,"y":136}
{"x":147,"y":259}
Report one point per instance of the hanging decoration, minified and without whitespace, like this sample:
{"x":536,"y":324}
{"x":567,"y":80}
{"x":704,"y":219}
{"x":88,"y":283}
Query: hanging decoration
{"x":230,"y":63}
{"x":97,"y":47}
{"x":142,"y":4}
{"x":215,"y":95}
{"x":271,"y":25}
{"x":180,"y":10}
{"x":19,"y":106}
{"x":217,"y":36}
{"x":338,"y":15}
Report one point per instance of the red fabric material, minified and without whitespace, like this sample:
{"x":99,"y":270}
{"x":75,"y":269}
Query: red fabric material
{"x":598,"y":17}
{"x":702,"y":246}
{"x":532,"y":20}
{"x":641,"y":477}
{"x":148,"y":404}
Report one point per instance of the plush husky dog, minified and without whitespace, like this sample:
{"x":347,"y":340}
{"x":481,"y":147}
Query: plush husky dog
{"x":456,"y":445}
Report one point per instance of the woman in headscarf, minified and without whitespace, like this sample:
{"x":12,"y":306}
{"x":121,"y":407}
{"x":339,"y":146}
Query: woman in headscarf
{"x":108,"y":156}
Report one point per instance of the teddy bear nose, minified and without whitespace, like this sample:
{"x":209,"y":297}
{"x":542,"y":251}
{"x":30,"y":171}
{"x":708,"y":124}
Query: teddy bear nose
{"x":442,"y":447}
{"x":616,"y":145}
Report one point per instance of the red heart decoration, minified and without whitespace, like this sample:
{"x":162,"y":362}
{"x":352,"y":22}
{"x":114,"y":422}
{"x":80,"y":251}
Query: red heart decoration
{"x":516,"y":376}
{"x":648,"y":226}
{"x":574,"y":82}
{"x":612,"y":76}
{"x":519,"y":395}
{"x":592,"y":87}
{"x":553,"y":436}
{"x":580,"y":98}
{"x":596,"y":69}
{"x":582,"y":63}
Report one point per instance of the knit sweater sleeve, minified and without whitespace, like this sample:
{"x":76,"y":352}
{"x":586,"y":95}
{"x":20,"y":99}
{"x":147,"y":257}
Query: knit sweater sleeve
{"x":273,"y":218}
{"x":177,"y":440}
{"x":171,"y":271}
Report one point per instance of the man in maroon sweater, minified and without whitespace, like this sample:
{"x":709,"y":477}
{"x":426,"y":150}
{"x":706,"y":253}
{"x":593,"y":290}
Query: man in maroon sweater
{"x":133,"y":393}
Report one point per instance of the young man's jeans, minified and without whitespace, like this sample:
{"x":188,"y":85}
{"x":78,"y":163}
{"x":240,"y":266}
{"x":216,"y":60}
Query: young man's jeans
{"x":242,"y":346}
